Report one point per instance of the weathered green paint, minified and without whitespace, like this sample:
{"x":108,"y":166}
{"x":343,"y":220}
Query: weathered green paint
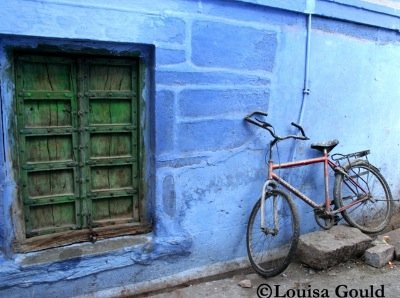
{"x":78,"y":141}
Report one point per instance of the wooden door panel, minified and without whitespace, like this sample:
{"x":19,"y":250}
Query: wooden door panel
{"x":111,"y":145}
{"x":48,"y":76}
{"x":49,"y":148}
{"x":52,"y":217}
{"x":51,"y":183}
{"x":47,"y":113}
{"x":101,"y":209}
{"x":111,"y":178}
{"x":41,"y":217}
{"x":122,"y":207}
{"x":110,"y":111}
{"x":110,"y":77}
{"x":64,"y":214}
{"x":113,"y":208}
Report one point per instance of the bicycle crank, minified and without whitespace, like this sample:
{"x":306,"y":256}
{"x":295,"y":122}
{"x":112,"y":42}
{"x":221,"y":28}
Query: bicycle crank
{"x":325,"y":221}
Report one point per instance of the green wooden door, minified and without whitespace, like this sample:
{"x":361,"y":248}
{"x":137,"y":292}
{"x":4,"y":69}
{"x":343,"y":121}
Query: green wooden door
{"x":110,"y":130}
{"x":78,"y":142}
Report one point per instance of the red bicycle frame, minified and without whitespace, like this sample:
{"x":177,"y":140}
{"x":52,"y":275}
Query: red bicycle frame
{"x":327,"y":163}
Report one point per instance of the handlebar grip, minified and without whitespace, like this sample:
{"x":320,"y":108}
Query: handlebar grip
{"x":301,"y":130}
{"x":264,"y":124}
{"x":258,"y":122}
{"x":248,"y":119}
{"x":256,"y":113}
{"x":254,"y":120}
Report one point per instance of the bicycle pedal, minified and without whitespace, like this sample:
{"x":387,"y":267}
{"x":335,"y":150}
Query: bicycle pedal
{"x":336,"y":219}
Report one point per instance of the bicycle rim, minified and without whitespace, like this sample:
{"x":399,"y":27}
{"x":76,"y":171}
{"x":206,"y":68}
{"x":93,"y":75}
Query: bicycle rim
{"x":270,"y":254}
{"x":373,"y":214}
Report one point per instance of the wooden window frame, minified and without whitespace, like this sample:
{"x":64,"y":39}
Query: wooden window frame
{"x":23,"y":244}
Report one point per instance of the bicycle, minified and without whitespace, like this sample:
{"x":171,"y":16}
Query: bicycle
{"x":361,"y":195}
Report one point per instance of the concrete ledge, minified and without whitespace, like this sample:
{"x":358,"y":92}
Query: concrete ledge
{"x":200,"y":273}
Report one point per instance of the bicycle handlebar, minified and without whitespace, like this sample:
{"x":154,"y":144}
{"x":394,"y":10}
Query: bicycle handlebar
{"x":257,"y":121}
{"x":252,"y":118}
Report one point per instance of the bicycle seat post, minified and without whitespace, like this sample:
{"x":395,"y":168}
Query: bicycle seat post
{"x":326,"y":180}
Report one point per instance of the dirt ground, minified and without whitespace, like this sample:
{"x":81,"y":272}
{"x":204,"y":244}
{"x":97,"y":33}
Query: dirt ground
{"x":351,"y":279}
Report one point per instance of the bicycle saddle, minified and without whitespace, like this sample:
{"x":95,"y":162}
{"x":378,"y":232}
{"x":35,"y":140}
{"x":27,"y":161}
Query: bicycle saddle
{"x":329,"y":145}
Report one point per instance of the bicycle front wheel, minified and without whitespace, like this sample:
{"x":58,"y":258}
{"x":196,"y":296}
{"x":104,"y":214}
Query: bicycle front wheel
{"x":364,"y":182}
{"x":271,"y":250}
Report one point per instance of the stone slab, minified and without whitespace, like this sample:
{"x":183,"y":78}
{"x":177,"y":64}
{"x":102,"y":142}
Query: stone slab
{"x":323,"y":249}
{"x":379,"y":255}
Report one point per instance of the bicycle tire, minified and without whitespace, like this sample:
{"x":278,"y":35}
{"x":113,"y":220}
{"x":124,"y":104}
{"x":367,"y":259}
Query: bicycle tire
{"x":274,"y":258}
{"x":373,"y":215}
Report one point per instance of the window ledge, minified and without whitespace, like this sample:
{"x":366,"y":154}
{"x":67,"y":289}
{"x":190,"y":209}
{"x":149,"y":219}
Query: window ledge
{"x":85,"y":259}
{"x":75,"y":251}
{"x":70,"y":237}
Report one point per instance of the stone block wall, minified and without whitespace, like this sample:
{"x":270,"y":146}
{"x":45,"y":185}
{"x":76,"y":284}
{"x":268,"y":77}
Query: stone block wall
{"x":211,"y":63}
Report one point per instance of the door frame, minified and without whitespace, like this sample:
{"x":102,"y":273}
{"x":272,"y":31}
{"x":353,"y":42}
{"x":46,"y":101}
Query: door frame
{"x":145,"y":54}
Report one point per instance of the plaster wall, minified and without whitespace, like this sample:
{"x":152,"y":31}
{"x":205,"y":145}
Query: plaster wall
{"x":214,"y":62}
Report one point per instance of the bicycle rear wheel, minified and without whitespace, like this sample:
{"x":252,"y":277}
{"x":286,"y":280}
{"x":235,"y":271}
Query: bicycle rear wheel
{"x":364,"y":181}
{"x":271,"y":253}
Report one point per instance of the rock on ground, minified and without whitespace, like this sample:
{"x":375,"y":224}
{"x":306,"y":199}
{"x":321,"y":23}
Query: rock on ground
{"x":245,"y":283}
{"x":392,"y":238}
{"x":379,"y":255}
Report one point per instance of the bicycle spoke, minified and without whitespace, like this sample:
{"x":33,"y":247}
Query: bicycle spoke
{"x":372,"y":212}
{"x":270,"y":253}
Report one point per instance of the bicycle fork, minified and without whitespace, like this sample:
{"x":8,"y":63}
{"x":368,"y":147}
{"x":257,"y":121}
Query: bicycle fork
{"x":269,"y":184}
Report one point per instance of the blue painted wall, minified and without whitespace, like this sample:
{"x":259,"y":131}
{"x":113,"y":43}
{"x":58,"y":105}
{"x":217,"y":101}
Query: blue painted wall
{"x":212,"y":62}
